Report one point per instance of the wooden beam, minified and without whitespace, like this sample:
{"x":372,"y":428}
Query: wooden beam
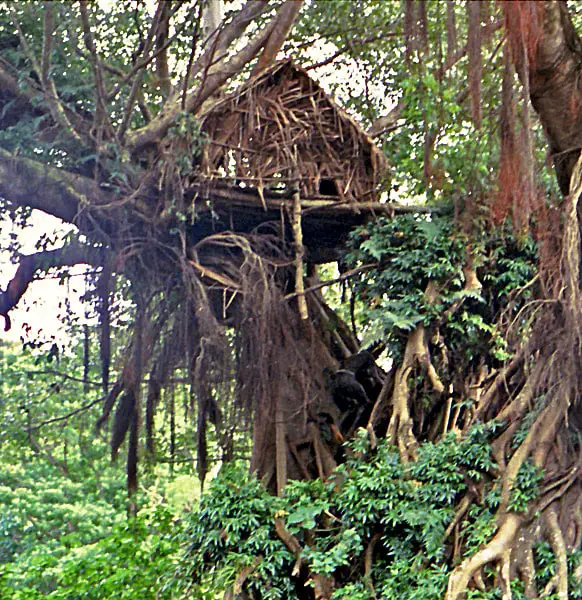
{"x":238,"y":197}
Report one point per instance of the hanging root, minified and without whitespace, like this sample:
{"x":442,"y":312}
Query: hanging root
{"x":511,"y":547}
{"x":242,"y":577}
{"x":493,"y":551}
{"x":554,"y":534}
{"x":368,"y":561}
{"x":322,"y":585}
{"x":400,"y":427}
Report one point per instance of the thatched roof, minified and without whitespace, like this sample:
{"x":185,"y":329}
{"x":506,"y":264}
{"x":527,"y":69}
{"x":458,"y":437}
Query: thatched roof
{"x":282,"y":127}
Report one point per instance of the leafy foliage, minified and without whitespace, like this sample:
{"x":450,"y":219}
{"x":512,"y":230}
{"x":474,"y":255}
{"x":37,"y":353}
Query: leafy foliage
{"x":64,"y":532}
{"x":374,"y":501}
{"x":409,"y":252}
{"x":129,"y":562}
{"x":232,"y":529}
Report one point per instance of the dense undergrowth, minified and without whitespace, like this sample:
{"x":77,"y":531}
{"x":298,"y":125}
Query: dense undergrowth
{"x":376,"y":506}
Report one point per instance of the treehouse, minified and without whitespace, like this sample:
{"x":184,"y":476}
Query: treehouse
{"x":281,"y":137}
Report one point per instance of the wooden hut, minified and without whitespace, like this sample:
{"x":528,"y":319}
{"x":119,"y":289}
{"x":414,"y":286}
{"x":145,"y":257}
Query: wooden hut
{"x":282,"y":132}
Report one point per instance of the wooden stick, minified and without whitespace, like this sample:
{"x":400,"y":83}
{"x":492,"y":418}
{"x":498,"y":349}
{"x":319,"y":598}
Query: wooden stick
{"x":299,"y":253}
{"x":280,"y":449}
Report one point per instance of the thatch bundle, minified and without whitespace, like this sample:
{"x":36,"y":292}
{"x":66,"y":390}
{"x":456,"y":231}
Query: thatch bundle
{"x":282,"y":128}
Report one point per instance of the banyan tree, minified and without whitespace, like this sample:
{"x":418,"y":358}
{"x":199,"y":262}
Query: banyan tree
{"x":281,"y":178}
{"x":214,"y":180}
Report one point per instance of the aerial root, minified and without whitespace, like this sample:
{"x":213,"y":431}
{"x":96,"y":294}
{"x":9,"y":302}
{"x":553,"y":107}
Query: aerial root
{"x":527,"y":571}
{"x":291,"y":542}
{"x":322,"y":584}
{"x":494,"y":551}
{"x":368,"y":560}
{"x":400,"y":427}
{"x":549,"y":374}
{"x":387,"y":386}
{"x":459,"y":514}
{"x":322,"y":587}
{"x":559,"y":581}
{"x":513,"y":554}
{"x":500,"y":380}
{"x":522,"y":558}
{"x":505,"y":573}
{"x":242,"y":577}
{"x":533,"y":436}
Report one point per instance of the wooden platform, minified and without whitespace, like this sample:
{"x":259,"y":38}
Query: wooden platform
{"x":326,"y":221}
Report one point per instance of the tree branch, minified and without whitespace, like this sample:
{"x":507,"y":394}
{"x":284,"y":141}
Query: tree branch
{"x":66,"y":417}
{"x":26,"y":182}
{"x":218,"y":70}
{"x":387,"y":122}
{"x":142,"y":59}
{"x":162,"y":34}
{"x":67,"y":256}
{"x":41,"y":69}
{"x":285,"y":20}
{"x":219,"y":42}
{"x":348,"y":47}
{"x":56,"y":109}
{"x":101,"y":116}
{"x":161,"y":11}
{"x":24,"y":91}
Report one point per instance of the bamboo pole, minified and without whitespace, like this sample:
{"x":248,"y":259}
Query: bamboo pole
{"x":280,"y":449}
{"x":299,"y":252}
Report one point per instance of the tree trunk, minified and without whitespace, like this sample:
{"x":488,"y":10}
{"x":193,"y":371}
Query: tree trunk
{"x":547,"y":50}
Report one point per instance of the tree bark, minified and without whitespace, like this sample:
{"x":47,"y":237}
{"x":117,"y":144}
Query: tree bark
{"x":554,"y":53}
{"x":26,"y":182}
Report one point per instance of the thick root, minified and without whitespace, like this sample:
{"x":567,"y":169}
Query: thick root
{"x":400,"y":427}
{"x":558,"y":545}
{"x":494,"y":551}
